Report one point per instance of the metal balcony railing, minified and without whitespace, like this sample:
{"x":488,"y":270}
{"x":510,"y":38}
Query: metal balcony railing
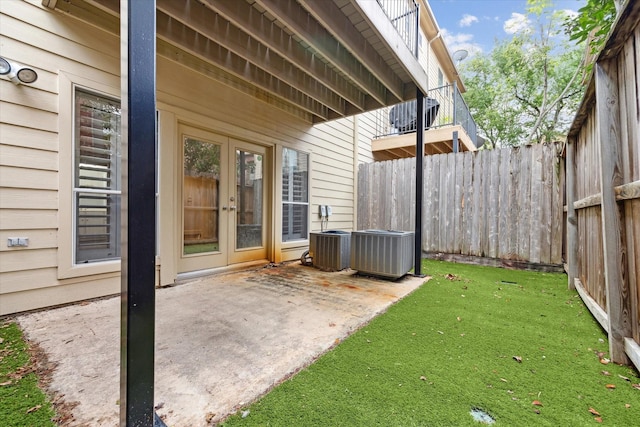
{"x":444,"y":106}
{"x":404,"y":15}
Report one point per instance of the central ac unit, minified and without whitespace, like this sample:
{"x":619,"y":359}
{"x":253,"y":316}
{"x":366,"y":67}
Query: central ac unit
{"x":382,"y":253}
{"x":330,"y":249}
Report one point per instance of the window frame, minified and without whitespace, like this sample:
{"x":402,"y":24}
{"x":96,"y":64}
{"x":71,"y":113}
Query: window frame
{"x":109,"y":87}
{"x":286,"y":201}
{"x":78,"y":189}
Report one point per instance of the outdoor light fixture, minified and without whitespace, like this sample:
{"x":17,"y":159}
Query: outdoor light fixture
{"x":17,"y":73}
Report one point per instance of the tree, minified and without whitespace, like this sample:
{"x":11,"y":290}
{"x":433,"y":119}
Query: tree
{"x":527,"y":88}
{"x":593,"y":23}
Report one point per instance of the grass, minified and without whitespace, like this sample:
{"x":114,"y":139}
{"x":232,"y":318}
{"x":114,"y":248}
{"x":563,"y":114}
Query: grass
{"x":22,"y":403}
{"x":517,"y":345}
{"x":197,"y":248}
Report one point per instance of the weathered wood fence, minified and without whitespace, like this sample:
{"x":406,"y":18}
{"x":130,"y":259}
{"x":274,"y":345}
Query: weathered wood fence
{"x":603,"y":191}
{"x":502,"y":204}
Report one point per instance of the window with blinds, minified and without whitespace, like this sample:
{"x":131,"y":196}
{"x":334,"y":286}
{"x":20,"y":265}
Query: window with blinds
{"x":295,"y":195}
{"x":96,"y":192}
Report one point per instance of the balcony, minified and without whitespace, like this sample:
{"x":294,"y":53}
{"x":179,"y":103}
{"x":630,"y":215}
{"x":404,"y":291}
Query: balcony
{"x":449,"y":126}
{"x":404,"y":15}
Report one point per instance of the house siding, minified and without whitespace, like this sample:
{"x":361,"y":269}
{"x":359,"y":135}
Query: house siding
{"x":36,"y":149}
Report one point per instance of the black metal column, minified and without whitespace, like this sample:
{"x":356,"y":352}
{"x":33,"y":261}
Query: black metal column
{"x":138,"y":86}
{"x":417,"y":264}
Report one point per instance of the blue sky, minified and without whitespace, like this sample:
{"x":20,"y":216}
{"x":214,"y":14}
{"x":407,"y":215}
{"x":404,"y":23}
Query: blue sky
{"x":474,"y":25}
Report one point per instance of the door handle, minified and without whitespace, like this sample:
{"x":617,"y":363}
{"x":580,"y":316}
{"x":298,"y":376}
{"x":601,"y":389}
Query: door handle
{"x":224,"y":208}
{"x":232,"y":208}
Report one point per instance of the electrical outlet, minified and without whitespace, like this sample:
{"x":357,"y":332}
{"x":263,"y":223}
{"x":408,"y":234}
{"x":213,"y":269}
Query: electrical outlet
{"x":17,"y":241}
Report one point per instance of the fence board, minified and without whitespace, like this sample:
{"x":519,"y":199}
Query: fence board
{"x":467,"y":219}
{"x":494,"y":202}
{"x":458,"y":205}
{"x":503,"y":232}
{"x":557,"y":211}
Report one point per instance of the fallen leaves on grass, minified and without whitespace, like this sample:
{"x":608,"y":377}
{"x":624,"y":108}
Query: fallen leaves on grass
{"x":5,"y":383}
{"x":636,"y":386}
{"x":624,"y":378}
{"x":605,"y":361}
{"x":596,"y":415}
{"x":606,"y":373}
{"x":536,"y":403}
{"x":33,"y":409}
{"x":450,"y":276}
{"x":517,"y":359}
{"x":610,"y":386}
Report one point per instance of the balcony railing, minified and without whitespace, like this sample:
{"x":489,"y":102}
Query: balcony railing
{"x":404,"y":15}
{"x":444,"y":106}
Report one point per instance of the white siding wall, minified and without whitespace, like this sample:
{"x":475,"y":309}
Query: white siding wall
{"x":29,"y":152}
{"x":35,"y":149}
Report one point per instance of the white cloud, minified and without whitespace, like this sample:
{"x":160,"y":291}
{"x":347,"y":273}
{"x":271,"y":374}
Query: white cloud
{"x":467,"y":20}
{"x":517,"y":23}
{"x":460,"y":41}
{"x":569,"y":13}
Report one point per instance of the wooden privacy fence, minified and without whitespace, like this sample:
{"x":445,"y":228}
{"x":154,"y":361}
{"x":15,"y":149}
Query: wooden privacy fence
{"x":503,"y":204}
{"x":603,"y":190}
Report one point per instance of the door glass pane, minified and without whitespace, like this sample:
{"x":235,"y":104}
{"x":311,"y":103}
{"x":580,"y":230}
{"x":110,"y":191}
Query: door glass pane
{"x":249,"y":190}
{"x":201,"y":189}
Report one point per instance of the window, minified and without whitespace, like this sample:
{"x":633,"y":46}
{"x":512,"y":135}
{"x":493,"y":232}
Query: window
{"x":96,"y":178}
{"x":295,"y":195}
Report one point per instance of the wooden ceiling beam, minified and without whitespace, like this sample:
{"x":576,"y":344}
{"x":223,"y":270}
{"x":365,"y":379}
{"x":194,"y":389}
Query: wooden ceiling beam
{"x":254,"y":23}
{"x":329,"y":15}
{"x":191,"y":41}
{"x":215,"y":27}
{"x":305,"y":26}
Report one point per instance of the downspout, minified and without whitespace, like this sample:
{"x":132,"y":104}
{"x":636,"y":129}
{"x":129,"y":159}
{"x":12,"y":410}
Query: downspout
{"x":436,"y":37}
{"x":355,"y":171}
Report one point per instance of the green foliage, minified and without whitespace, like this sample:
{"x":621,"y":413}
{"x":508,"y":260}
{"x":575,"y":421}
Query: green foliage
{"x":201,"y":158}
{"x":593,"y":20}
{"x":526,"y":90}
{"x":471,"y":337}
{"x":22,"y":403}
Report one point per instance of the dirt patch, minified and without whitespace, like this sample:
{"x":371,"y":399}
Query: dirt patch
{"x":43,"y":367}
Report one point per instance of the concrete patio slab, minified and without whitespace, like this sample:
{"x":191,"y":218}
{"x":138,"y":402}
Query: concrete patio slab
{"x":221,"y":341}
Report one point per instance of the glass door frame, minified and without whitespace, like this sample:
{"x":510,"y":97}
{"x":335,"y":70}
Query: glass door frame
{"x":237,"y":255}
{"x":203,"y":260}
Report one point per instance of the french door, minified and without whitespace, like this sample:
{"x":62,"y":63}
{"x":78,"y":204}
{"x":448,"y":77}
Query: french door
{"x":223,"y":201}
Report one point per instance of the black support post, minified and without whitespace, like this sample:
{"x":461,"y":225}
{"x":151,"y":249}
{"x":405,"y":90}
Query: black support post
{"x":138,"y":87}
{"x":417,"y":264}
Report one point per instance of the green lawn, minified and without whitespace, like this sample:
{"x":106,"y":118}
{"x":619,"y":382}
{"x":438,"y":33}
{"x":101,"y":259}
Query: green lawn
{"x":198,"y":248}
{"x":517,"y":345}
{"x":21,"y":401}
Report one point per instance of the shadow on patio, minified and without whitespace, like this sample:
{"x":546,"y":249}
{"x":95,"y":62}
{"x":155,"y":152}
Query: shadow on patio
{"x":221,"y":341}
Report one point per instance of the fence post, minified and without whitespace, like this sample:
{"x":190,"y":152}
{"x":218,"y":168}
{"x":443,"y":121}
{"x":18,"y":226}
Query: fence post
{"x":617,"y":287}
{"x":572,"y":219}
